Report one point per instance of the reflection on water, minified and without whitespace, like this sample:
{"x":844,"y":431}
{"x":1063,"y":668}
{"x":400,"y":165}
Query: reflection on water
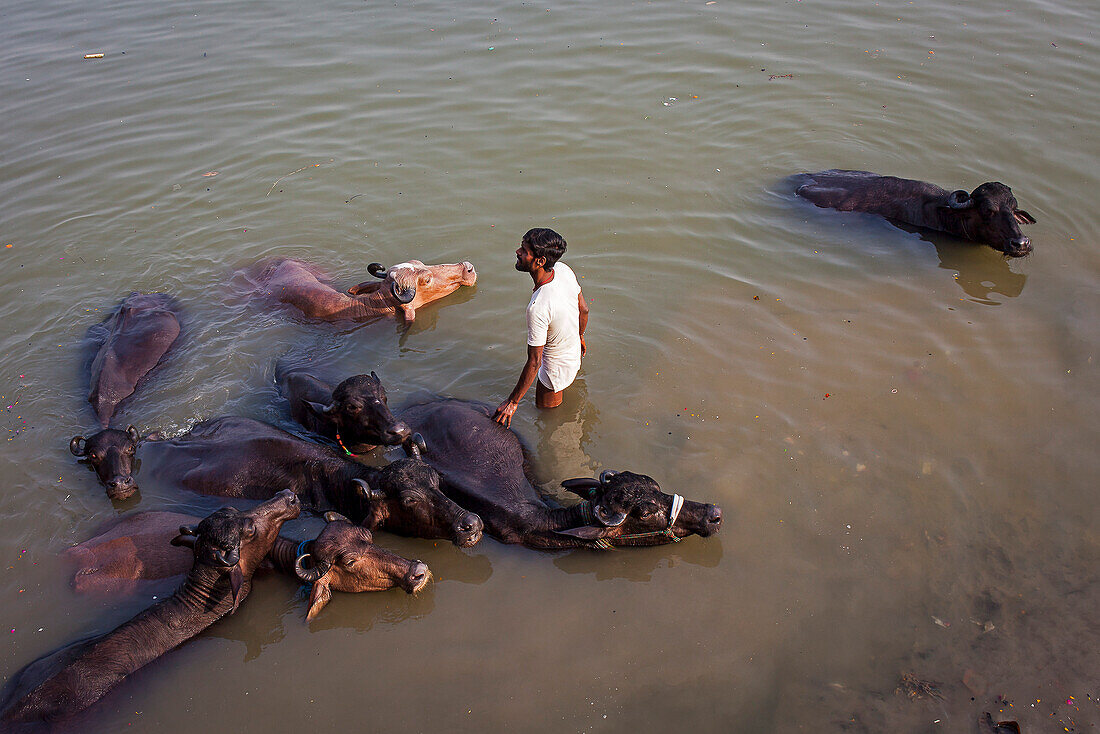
{"x":640,"y":564}
{"x":563,"y":435}
{"x":980,"y":273}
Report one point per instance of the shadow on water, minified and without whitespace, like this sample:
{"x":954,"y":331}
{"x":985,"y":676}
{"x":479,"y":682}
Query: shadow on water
{"x":638,"y":564}
{"x":980,"y":271}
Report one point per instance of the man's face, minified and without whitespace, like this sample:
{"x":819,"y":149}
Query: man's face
{"x":526,"y":262}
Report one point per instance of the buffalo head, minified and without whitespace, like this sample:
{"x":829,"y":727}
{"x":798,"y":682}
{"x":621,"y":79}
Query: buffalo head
{"x":345,"y":558}
{"x":414,"y":284}
{"x":405,"y":498}
{"x":631,"y":509}
{"x":233,"y":543}
{"x":111,"y":453}
{"x":360,"y":413}
{"x":989,"y":214}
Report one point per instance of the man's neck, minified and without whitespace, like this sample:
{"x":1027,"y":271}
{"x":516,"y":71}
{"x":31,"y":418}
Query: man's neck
{"x":542,"y":277}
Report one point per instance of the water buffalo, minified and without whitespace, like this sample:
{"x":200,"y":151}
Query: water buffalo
{"x":343,"y":557}
{"x":482,"y":464}
{"x":988,"y":215}
{"x":228,"y":546}
{"x":402,"y":288}
{"x":126,"y":346}
{"x":241,"y":457}
{"x":355,"y":414}
{"x":111,"y":453}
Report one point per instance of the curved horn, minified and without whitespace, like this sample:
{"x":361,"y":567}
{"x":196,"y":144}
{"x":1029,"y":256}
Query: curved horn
{"x":310,"y":575}
{"x":415,"y":446}
{"x":606,"y":518}
{"x":133,"y":434}
{"x":959,"y":200}
{"x":331,"y":516}
{"x":378,"y":270}
{"x":229,"y":559}
{"x":606,"y":474}
{"x":187,"y":530}
{"x":580,"y":483}
{"x":76,"y":448}
{"x":185,"y":540}
{"x":368,"y":492}
{"x":403,"y":295}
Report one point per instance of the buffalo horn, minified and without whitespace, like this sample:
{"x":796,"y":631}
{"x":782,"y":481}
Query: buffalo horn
{"x":132,"y":433}
{"x":606,"y":518}
{"x":580,"y":483}
{"x":368,"y":492}
{"x":606,"y":474}
{"x":310,"y":575}
{"x":403,"y":295}
{"x":331,"y":516}
{"x":416,"y":447}
{"x":75,"y":446}
{"x":378,"y":270}
{"x":959,"y":200}
{"x":227,"y":559}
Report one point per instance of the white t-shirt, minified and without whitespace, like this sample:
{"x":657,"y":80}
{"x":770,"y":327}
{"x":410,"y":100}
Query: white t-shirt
{"x":553,"y":323}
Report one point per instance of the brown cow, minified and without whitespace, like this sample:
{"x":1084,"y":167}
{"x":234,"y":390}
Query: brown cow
{"x":403,"y":288}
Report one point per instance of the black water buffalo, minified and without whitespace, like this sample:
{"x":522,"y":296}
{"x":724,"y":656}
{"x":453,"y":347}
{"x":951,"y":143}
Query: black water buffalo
{"x":228,"y":547}
{"x":137,"y":548}
{"x":482,"y":464}
{"x":126,"y":346}
{"x":354,"y":414}
{"x":111,"y":453}
{"x":988,"y":215}
{"x":241,"y":457}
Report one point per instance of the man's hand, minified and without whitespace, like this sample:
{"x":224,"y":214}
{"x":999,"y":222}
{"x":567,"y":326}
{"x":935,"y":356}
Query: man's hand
{"x":504,"y":413}
{"x":584,"y":347}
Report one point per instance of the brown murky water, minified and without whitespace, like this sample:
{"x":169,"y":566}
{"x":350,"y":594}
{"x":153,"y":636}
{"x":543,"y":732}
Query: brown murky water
{"x":901,"y":428}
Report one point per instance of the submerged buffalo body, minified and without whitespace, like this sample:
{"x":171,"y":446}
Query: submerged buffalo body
{"x":355,"y":413}
{"x":227,"y":548}
{"x":988,"y":214}
{"x":402,"y":288}
{"x":482,"y":464}
{"x":241,"y":457}
{"x":137,"y":548}
{"x":126,"y":346}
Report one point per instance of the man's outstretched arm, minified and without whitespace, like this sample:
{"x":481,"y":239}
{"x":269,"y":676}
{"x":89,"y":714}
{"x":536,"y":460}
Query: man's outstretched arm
{"x":527,"y":377}
{"x":582,"y":320}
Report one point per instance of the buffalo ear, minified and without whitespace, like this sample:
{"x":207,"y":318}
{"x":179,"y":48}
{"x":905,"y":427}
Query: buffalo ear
{"x":368,"y":492}
{"x":317,"y":408}
{"x":78,"y":446}
{"x":408,"y":311}
{"x":319,"y":596}
{"x":187,"y":541}
{"x":582,"y":486}
{"x":1023,"y":217}
{"x":236,"y":581}
{"x":133,"y":434}
{"x":366,"y":285}
{"x":585,"y":532}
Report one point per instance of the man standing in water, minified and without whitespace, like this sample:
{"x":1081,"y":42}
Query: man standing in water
{"x":556,"y":319}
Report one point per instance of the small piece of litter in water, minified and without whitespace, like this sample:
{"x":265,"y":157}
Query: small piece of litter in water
{"x":209,"y":174}
{"x":93,"y":56}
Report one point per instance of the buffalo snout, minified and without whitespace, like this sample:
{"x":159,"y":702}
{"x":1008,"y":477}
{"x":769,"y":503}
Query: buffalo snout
{"x":712,"y":521}
{"x":121,"y":487}
{"x":467,"y":530}
{"x":417,"y":578}
{"x":1018,"y":246}
{"x":396,"y":434}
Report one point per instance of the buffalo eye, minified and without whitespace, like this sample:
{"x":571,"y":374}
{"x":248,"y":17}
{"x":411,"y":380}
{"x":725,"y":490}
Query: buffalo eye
{"x":131,"y":449}
{"x":648,"y":510}
{"x":425,"y":280}
{"x":408,"y":501}
{"x":352,"y":408}
{"x":249,"y":530}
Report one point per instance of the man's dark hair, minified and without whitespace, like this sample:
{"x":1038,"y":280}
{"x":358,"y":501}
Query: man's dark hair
{"x":547,"y":243}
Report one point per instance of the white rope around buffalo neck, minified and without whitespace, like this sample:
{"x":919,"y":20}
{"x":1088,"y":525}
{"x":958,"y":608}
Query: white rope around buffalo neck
{"x":677,"y":505}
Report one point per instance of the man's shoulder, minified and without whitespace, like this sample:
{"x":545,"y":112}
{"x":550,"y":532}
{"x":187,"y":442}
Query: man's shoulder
{"x":568,"y":277}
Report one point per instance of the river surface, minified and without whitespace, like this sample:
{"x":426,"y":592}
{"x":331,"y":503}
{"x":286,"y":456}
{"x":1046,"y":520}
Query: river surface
{"x":902,"y":428}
